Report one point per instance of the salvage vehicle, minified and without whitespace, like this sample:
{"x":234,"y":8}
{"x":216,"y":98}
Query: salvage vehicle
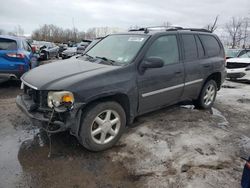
{"x":233,"y":53}
{"x":239,"y":68}
{"x":124,"y":76}
{"x":82,"y":46}
{"x":48,"y":50}
{"x":15,"y":57}
{"x":62,"y":47}
{"x":71,"y":51}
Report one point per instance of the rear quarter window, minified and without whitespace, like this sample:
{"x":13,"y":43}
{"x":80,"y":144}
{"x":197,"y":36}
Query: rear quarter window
{"x":211,"y":45}
{"x":7,"y":44}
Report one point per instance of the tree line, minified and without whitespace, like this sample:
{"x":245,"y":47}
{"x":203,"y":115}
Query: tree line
{"x":237,"y":31}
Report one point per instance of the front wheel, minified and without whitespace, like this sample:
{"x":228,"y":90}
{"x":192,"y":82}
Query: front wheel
{"x":102,"y":125}
{"x":207,"y":96}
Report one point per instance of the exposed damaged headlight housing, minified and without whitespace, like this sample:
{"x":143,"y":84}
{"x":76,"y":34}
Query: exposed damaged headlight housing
{"x":61,"y":101}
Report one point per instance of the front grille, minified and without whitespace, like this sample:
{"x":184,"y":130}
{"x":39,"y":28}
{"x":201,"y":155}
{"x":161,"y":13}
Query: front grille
{"x":231,"y":65}
{"x":39,"y":97}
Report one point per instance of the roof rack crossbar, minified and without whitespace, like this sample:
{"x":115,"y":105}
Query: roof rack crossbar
{"x":167,"y":28}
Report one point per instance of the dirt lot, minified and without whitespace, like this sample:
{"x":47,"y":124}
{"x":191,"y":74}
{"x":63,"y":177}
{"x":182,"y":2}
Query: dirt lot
{"x":174,"y":147}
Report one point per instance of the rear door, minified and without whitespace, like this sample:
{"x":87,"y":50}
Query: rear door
{"x":194,"y":56}
{"x":161,"y":86}
{"x":8,"y":49}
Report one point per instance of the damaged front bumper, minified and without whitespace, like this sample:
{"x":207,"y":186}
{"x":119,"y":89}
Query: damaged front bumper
{"x":239,"y":73}
{"x":49,"y":120}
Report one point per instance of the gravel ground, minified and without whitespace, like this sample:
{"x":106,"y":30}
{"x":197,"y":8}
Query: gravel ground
{"x":174,"y":147}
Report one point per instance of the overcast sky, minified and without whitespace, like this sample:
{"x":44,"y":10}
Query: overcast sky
{"x":31,"y":14}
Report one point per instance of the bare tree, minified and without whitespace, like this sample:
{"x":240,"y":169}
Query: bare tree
{"x":234,"y":29}
{"x":18,"y":31}
{"x":213,"y":26}
{"x":246,"y":25}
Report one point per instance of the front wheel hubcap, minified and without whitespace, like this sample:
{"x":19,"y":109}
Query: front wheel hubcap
{"x":209,"y":95}
{"x":105,"y":127}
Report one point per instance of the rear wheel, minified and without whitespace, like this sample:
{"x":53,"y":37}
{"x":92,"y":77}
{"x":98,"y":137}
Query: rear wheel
{"x":102,"y":126}
{"x":207,"y":95}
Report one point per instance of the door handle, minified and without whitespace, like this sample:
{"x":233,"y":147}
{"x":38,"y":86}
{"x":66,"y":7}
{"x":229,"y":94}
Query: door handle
{"x":206,"y":66}
{"x":178,"y":72}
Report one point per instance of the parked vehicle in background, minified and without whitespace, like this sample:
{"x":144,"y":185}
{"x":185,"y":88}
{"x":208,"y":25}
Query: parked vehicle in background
{"x":15,"y":57}
{"x":93,"y":43}
{"x":123,"y":76}
{"x":239,"y":68}
{"x":62,"y":47}
{"x":232,"y":53}
{"x":71,"y":51}
{"x":48,"y":50}
{"x":82,"y":46}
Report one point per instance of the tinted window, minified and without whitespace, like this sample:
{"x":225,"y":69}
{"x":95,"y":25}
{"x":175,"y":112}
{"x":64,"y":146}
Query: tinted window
{"x":211,"y":45}
{"x":7,"y":44}
{"x":166,"y":48}
{"x":200,"y":48}
{"x":190,"y":49}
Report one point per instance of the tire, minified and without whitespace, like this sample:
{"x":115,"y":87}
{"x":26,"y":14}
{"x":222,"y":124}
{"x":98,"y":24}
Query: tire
{"x":96,"y":124}
{"x":207,"y":96}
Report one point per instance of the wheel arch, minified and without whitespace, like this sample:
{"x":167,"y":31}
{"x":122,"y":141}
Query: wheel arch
{"x":216,"y":77}
{"x":120,"y":98}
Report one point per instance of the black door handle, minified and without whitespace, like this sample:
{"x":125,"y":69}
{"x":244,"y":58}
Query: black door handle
{"x":178,"y":72}
{"x":206,"y":66}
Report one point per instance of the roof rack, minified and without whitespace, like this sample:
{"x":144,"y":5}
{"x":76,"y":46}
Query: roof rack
{"x":165,"y":28}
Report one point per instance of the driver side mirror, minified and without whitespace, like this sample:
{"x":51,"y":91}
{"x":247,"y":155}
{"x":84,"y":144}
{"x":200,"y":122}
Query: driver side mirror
{"x":151,"y":62}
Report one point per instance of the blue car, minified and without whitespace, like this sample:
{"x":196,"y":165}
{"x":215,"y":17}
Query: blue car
{"x":16,"y":57}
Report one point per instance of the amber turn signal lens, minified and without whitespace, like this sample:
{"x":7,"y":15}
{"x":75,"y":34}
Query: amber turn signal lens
{"x":67,"y":98}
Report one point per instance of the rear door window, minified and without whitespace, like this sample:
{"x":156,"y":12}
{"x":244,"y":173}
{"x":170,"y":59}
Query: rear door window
{"x":201,"y":52}
{"x":190,"y":49}
{"x":7,"y":44}
{"x":211,"y":45}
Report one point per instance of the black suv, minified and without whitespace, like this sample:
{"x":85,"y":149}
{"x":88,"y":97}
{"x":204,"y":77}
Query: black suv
{"x":95,"y":96}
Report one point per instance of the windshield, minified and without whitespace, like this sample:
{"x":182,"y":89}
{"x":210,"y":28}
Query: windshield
{"x":245,"y":55}
{"x":232,"y":53}
{"x":118,"y":48}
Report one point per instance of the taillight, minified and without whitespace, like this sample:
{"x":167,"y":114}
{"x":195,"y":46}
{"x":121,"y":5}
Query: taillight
{"x":16,"y":55}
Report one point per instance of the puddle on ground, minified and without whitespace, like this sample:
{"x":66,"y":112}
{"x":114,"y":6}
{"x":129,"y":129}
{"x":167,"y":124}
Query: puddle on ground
{"x":70,"y":165}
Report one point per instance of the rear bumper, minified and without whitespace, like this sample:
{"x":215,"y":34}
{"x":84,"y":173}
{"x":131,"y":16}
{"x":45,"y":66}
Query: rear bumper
{"x":11,"y":75}
{"x":240,"y":73}
{"x":41,"y":120}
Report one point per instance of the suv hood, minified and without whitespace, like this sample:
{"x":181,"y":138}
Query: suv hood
{"x":61,"y":74}
{"x":239,"y":60}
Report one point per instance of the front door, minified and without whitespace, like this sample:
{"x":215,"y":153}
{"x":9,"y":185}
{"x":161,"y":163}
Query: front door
{"x":161,"y":86}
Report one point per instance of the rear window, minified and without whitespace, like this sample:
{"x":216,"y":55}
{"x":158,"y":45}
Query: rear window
{"x":7,"y":44}
{"x":211,"y":45}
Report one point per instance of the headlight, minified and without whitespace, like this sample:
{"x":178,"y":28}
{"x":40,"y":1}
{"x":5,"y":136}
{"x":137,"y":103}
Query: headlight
{"x":60,"y":100}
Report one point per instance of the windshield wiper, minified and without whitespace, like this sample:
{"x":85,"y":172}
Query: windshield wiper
{"x":106,"y":59}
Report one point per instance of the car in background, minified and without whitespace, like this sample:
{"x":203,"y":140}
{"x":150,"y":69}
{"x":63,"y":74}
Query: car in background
{"x":62,"y":47}
{"x":232,"y":53}
{"x":15,"y":57}
{"x":93,"y":43}
{"x":48,"y":50}
{"x":239,"y":67}
{"x":71,"y":51}
{"x":82,"y":46}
